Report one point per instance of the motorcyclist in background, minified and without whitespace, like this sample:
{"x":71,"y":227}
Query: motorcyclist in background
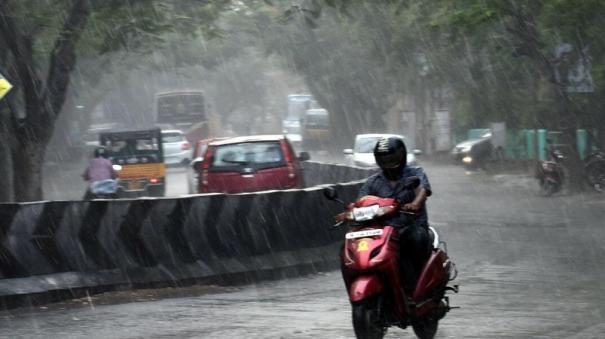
{"x":100,"y":169}
{"x":414,"y":243}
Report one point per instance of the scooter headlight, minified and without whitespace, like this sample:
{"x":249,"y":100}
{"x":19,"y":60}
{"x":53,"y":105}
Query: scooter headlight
{"x":117,"y":167}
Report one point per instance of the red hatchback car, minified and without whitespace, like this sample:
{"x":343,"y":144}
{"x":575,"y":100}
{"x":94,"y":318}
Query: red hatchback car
{"x":250,"y":163}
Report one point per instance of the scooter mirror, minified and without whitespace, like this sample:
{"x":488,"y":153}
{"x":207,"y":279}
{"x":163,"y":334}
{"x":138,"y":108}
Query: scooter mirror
{"x":330,"y":193}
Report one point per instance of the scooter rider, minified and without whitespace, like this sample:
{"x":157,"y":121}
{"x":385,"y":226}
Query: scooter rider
{"x":414,"y":243}
{"x":100,"y":168}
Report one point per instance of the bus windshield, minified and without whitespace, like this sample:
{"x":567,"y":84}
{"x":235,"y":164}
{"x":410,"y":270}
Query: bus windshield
{"x":318,"y":119}
{"x":181,"y":108}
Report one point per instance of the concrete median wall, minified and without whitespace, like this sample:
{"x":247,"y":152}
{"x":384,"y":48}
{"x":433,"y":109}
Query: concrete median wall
{"x":58,"y":245}
{"x":318,"y":173}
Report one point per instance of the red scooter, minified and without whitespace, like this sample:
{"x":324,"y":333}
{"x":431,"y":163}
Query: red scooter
{"x":551,"y":173}
{"x":372,"y":272}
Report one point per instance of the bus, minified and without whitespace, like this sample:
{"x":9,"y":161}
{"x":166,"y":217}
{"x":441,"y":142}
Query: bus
{"x":298,"y":104}
{"x":315,"y":129}
{"x":184,"y":111}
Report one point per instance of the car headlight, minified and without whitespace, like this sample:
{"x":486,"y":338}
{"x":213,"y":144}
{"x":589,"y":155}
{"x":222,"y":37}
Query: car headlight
{"x":467,"y":160}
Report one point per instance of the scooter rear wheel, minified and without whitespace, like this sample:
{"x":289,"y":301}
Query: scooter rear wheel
{"x":426,"y":328}
{"x":367,"y":321}
{"x":549,"y":188}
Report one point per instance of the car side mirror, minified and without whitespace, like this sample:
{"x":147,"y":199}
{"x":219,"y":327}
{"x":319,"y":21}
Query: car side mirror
{"x":417,"y":152}
{"x":347,"y":151}
{"x":304,"y":156}
{"x":196,"y":163}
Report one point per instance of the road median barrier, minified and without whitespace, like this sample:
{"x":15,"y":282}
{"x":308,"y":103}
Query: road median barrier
{"x":62,"y":247}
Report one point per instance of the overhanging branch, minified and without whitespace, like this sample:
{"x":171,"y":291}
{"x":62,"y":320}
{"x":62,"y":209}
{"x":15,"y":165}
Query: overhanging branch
{"x":63,"y":60}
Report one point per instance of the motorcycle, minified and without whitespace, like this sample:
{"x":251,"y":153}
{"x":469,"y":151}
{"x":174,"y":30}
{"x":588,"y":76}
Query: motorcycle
{"x":551,"y":173}
{"x":104,"y":189}
{"x":595,"y":170}
{"x":372,"y":275}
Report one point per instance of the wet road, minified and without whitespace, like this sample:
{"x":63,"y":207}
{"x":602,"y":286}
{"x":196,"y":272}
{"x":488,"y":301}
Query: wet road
{"x":530,"y":267}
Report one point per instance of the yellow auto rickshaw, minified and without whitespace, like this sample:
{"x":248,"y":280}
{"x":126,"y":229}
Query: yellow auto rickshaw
{"x":140,"y":161}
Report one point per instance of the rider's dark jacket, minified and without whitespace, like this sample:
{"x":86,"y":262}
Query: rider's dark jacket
{"x":379,"y":185}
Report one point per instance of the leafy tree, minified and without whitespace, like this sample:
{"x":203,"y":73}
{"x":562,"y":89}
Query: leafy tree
{"x":497,"y":58}
{"x":40,"y":46}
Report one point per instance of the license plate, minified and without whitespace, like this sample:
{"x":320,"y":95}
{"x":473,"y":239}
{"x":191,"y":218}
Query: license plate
{"x":363,"y":234}
{"x":365,"y":213}
{"x":134,"y":185}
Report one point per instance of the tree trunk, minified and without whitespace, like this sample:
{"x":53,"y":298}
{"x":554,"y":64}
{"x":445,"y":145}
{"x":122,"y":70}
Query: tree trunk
{"x":526,"y":32}
{"x":27,"y":165}
{"x":6,"y":166}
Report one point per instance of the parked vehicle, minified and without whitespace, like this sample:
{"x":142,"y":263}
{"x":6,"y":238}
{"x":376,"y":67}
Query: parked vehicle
{"x":595,"y":170}
{"x":141,"y":157}
{"x":474,"y":153}
{"x":362,"y":153}
{"x":372,"y":275}
{"x":177,"y":150}
{"x":551,"y":172}
{"x":250,"y":163}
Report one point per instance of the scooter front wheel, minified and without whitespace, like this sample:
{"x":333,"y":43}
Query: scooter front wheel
{"x":367,"y":320}
{"x":425,"y":328}
{"x":549,"y":188}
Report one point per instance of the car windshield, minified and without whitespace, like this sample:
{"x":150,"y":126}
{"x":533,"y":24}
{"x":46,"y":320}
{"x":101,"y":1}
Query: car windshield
{"x":248,"y":154}
{"x":172,"y":137}
{"x":133,"y":147}
{"x":366,"y":145}
{"x":317,"y":121}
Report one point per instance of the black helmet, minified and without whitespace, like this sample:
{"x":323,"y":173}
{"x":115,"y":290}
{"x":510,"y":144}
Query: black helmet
{"x":391,"y":156}
{"x":100,"y":152}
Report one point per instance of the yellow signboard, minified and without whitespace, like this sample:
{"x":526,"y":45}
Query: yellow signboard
{"x":5,"y":86}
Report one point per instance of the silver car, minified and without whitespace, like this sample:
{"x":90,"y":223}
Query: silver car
{"x":177,"y":150}
{"x":362,"y":153}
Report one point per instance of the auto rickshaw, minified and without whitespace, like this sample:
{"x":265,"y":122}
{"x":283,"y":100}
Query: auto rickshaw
{"x":140,"y":161}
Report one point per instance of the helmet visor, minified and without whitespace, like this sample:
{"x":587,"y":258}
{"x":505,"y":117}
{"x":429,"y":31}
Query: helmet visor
{"x":390,"y":160}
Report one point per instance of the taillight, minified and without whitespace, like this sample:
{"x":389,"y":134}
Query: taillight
{"x":204,"y":170}
{"x":289,"y":160}
{"x":154,"y":180}
{"x":185,"y":146}
{"x":291,"y":171}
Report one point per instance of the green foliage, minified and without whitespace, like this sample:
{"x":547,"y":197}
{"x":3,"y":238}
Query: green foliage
{"x":495,"y":57}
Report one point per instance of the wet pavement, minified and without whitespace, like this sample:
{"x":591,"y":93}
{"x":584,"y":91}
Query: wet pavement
{"x":530,"y":267}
